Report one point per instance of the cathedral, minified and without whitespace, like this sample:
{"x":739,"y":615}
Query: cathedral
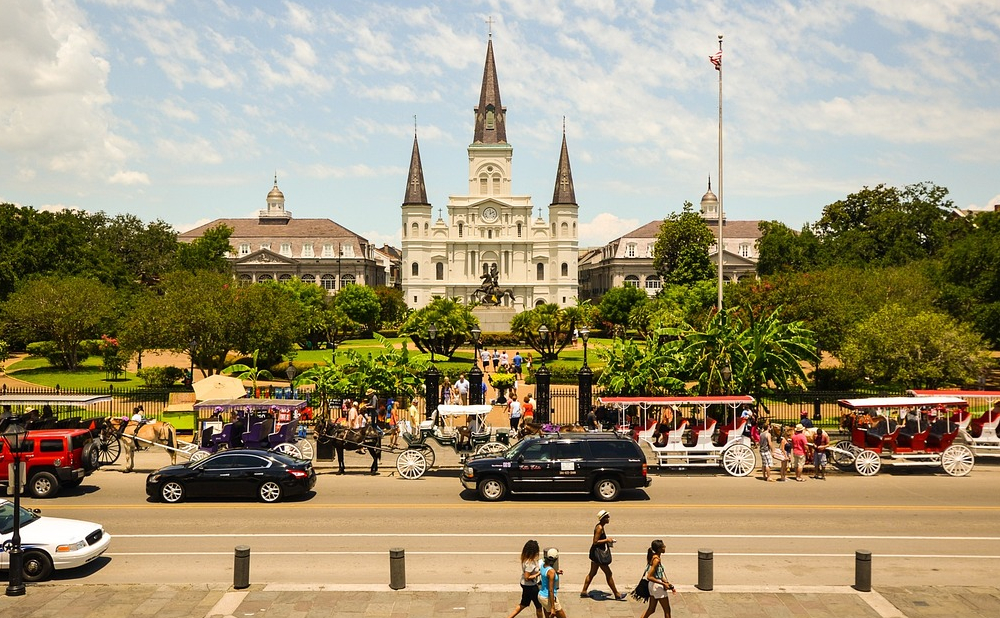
{"x":490,"y":236}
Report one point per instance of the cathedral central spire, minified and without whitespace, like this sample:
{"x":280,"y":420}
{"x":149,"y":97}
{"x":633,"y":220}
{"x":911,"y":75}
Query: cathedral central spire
{"x":491,"y":126}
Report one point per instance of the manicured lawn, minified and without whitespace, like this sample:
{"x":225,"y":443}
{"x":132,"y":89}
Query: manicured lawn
{"x":88,"y":375}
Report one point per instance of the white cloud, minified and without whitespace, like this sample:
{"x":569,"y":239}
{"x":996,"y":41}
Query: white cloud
{"x":128,"y":177}
{"x":150,"y":6}
{"x":196,"y":151}
{"x":320,"y":170}
{"x":605,"y":227}
{"x":173,"y":109}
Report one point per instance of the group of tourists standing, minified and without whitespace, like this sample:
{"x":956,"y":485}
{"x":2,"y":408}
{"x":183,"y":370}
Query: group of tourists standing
{"x":540,"y":575}
{"x":787,"y":446}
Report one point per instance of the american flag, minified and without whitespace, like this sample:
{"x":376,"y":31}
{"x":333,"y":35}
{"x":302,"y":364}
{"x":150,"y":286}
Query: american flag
{"x":716,"y":59}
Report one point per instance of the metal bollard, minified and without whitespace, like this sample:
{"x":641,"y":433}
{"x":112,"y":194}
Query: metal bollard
{"x":863,"y":570}
{"x":241,"y":567}
{"x":397,"y":568}
{"x":705,"y":569}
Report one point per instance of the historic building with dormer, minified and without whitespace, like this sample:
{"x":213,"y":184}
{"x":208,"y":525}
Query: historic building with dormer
{"x":276,"y":247}
{"x":489,"y":226}
{"x":628,"y":260}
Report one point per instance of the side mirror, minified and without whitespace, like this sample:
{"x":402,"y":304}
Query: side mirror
{"x":520,"y":459}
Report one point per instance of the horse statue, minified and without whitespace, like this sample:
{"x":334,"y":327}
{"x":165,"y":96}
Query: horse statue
{"x":490,"y":292}
{"x":140,"y":436}
{"x":368,"y":437}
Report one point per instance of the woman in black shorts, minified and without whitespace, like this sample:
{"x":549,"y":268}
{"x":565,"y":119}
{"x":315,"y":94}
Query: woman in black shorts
{"x":530,"y":572}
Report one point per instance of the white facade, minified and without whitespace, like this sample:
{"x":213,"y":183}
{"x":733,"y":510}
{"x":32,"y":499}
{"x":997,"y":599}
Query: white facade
{"x":535,"y":257}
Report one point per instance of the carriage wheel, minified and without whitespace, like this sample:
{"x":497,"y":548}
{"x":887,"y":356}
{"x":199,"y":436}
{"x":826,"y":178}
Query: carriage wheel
{"x":738,"y":460}
{"x":199,"y":455}
{"x":868,"y":463}
{"x":411,"y":464}
{"x":109,"y":450}
{"x":957,"y":460}
{"x":306,"y":448}
{"x":426,"y":451}
{"x":843,"y":460}
{"x":287,"y":448}
{"x":491,"y":448}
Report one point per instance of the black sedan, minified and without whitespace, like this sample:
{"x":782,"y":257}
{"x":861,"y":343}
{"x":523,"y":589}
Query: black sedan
{"x":266,"y":475}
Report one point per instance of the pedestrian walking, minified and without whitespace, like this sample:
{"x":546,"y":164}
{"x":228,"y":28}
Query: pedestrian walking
{"x":782,"y":450}
{"x":766,"y":448}
{"x":600,"y":556}
{"x":530,"y":575}
{"x":548,"y":587}
{"x":462,"y":386}
{"x":800,"y":446}
{"x":527,"y":411}
{"x":820,"y":443}
{"x":656,"y":579}
{"x":496,"y":360}
{"x":514,"y":412}
{"x":518,"y":360}
{"x":484,"y":355}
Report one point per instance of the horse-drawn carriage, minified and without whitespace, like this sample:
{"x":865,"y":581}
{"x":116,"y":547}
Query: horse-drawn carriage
{"x":698,"y":440}
{"x":903,"y":431}
{"x":271,"y":424}
{"x":979,"y":433}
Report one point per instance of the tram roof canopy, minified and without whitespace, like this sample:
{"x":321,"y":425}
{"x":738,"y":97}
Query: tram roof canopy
{"x":246,"y":402}
{"x":731,"y":400}
{"x":992,"y":395}
{"x":901,"y":402}
{"x":52,"y":400}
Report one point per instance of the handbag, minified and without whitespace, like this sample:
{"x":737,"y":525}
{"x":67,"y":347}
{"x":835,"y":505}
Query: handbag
{"x":602,"y":554}
{"x":641,"y":590}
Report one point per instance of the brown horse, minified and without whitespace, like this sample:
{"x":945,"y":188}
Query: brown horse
{"x":537,"y":429}
{"x":137,"y":436}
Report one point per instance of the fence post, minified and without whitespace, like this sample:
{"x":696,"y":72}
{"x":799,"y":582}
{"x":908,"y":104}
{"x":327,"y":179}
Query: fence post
{"x":241,"y":567}
{"x":585,"y":381}
{"x":863,"y":570}
{"x":432,"y":382}
{"x":397,"y":568}
{"x":706,"y":569}
{"x":543,"y":380}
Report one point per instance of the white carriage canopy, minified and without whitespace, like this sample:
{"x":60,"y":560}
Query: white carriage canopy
{"x":732,"y":402}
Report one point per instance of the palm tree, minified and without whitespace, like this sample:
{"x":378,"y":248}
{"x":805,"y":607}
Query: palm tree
{"x":249,"y":373}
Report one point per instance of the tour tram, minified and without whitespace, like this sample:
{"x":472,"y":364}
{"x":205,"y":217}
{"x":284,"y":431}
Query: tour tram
{"x":696,"y":440}
{"x":902,"y":431}
{"x":979,"y":433}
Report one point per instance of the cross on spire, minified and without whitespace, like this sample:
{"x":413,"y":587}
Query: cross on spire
{"x":489,"y":23}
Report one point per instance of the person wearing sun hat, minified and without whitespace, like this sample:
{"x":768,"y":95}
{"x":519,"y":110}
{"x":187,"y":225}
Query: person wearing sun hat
{"x":600,"y":556}
{"x":800,"y":446}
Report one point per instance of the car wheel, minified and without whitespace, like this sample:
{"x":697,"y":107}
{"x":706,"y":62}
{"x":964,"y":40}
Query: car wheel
{"x":492,"y":489}
{"x":270,"y":492}
{"x":607,"y":489}
{"x":37,"y":566}
{"x":90,"y":456}
{"x":43,"y":485}
{"x":172,"y":492}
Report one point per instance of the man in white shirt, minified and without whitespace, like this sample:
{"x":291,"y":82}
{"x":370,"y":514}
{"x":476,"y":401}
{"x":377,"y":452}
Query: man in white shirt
{"x":484,"y":355}
{"x":463,"y":390}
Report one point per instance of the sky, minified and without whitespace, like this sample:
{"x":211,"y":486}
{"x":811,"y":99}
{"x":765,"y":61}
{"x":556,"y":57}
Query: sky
{"x":184,"y":110}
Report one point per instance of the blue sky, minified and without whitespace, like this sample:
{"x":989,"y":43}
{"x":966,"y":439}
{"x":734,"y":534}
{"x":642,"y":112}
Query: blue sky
{"x":183,"y":110}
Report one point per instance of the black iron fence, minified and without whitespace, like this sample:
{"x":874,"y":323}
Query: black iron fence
{"x":123,"y":400}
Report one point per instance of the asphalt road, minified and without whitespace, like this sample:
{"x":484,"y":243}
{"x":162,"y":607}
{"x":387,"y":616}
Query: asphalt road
{"x":923,"y":527}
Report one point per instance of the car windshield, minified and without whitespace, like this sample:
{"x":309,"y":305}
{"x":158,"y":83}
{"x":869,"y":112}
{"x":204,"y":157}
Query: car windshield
{"x":7,"y":517}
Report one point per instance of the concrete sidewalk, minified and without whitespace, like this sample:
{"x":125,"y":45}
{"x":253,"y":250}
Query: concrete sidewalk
{"x":376,"y":601}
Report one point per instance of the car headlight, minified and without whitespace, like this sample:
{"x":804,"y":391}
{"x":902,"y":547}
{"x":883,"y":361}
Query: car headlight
{"x":153,"y":478}
{"x":74,"y":547}
{"x":467,"y":471}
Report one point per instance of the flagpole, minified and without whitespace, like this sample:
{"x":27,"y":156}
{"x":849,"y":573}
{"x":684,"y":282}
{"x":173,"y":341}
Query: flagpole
{"x":720,"y":244}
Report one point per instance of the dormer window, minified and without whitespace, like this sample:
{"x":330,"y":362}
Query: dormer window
{"x":245,"y":249}
{"x":307,"y":250}
{"x":286,"y":249}
{"x":630,"y":250}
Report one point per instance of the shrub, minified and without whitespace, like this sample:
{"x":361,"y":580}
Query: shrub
{"x":51,"y":352}
{"x":159,"y":377}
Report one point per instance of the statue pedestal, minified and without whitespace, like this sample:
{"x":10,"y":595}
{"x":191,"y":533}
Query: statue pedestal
{"x":494,"y":319}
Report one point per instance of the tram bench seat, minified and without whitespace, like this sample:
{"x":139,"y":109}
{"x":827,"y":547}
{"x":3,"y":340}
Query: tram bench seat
{"x":285,"y":434}
{"x":915,"y":441}
{"x":256,"y":436}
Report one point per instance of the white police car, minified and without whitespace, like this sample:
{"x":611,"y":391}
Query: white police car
{"x":50,"y":543}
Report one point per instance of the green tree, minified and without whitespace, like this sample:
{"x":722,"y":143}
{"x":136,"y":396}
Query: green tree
{"x":266,"y":318}
{"x":66,"y":310}
{"x":196,"y":307}
{"x":617,"y":304}
{"x":969,"y":275}
{"x":360,"y":303}
{"x":313,"y":303}
{"x":923,"y":349}
{"x":138,"y":254}
{"x":452,"y":320}
{"x":633,"y":369}
{"x":680,"y":254}
{"x":392,"y":306}
{"x":781,"y":250}
{"x":559,"y":323}
{"x":207,"y":253}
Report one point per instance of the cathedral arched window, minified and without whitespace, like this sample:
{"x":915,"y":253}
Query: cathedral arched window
{"x":564,"y":229}
{"x":329,"y":282}
{"x":414,"y":269}
{"x":427,"y":227}
{"x":416,"y":229}
{"x":540,"y":271}
{"x":496,"y":184}
{"x":439,"y":271}
{"x":483,"y":184}
{"x":632,"y":281}
{"x":311,"y":279}
{"x":347,"y":280}
{"x":564,"y":270}
{"x":518,"y":230}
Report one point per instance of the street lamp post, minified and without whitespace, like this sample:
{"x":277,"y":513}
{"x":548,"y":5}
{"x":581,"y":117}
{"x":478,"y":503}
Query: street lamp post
{"x":332,"y":345}
{"x":585,"y":382}
{"x":192,"y":347}
{"x":432,"y":332}
{"x":475,"y":374}
{"x":14,"y":435}
{"x":543,"y":335}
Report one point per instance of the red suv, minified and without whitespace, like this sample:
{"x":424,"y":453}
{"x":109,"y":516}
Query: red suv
{"x":52,"y":459}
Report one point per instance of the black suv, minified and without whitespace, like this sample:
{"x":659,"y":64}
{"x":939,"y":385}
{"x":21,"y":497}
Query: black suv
{"x":602,"y":463}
